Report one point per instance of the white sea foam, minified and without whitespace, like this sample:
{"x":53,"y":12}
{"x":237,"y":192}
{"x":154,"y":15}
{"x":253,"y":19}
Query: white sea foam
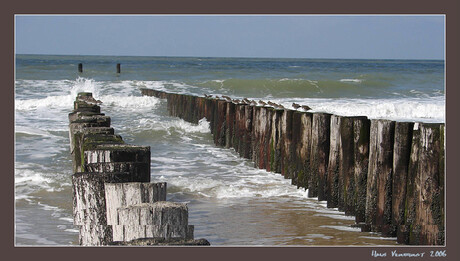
{"x":222,"y":189}
{"x":218,"y":81}
{"x":319,"y":236}
{"x":61,"y":99}
{"x":130,"y":102}
{"x":381,"y":238}
{"x":336,"y":216}
{"x":351,"y":80}
{"x":30,"y":177}
{"x":177,"y":125}
{"x":422,"y":108}
{"x":221,"y":182}
{"x":122,"y":100}
{"x":170,"y":86}
{"x":27,"y":181}
{"x":343,"y":228}
{"x":72,"y":230}
{"x":22,"y":196}
{"x":413,"y":109}
{"x":50,"y":102}
{"x":32,"y":131}
{"x":129,"y":87}
{"x":85,"y":85}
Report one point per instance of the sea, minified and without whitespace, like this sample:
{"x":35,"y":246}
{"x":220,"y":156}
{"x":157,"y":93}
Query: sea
{"x":230,"y":202}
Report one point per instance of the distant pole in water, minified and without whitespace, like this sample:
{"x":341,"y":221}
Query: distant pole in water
{"x":80,"y":67}
{"x":118,"y":68}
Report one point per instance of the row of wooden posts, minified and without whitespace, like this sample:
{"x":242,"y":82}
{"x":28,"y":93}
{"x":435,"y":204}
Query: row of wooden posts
{"x":389,"y":175}
{"x":114,"y":202}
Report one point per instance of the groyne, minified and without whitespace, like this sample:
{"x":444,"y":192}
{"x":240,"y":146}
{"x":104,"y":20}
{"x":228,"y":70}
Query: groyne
{"x":388,"y":174}
{"x":114,"y":202}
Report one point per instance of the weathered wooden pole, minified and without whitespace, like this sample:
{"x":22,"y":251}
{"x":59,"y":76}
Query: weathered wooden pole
{"x":260,"y":134}
{"x":111,"y":154}
{"x":267,"y":138}
{"x":200,"y":108}
{"x":125,"y":194}
{"x":275,"y":140}
{"x":83,"y":139}
{"x":319,"y":156}
{"x":190,"y":109}
{"x":220,"y":124}
{"x":361,"y":138}
{"x":238,"y":128}
{"x":118,"y":68}
{"x":81,"y":105}
{"x":347,"y":185}
{"x":248,"y":131}
{"x":153,"y":220}
{"x":286,"y":143}
{"x":230,"y":122}
{"x":379,"y":179}
{"x":89,"y":206}
{"x":122,"y":195}
{"x":401,"y":157}
{"x":303,"y":148}
{"x":80,"y":67}
{"x":294,"y":160}
{"x":332,"y":186}
{"x":404,"y":232}
{"x":210,"y":112}
{"x":257,"y":128}
{"x":425,"y":213}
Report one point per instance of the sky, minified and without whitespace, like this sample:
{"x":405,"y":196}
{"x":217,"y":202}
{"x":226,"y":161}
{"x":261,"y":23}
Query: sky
{"x":265,"y":36}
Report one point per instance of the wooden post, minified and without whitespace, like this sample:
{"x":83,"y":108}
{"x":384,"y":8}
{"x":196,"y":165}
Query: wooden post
{"x":89,"y":137}
{"x":238,"y":129}
{"x":125,"y":194}
{"x":230,"y":122}
{"x":200,"y":108}
{"x":361,"y":137}
{"x":150,"y":220}
{"x":401,"y":156}
{"x":334,"y":163}
{"x":220,"y":123}
{"x":267,"y":138}
{"x":303,"y":149}
{"x":80,"y":67}
{"x":121,"y":195}
{"x":424,"y":213}
{"x":118,"y":68}
{"x":319,"y":155}
{"x":248,"y":131}
{"x":286,"y":143}
{"x":259,"y":143}
{"x":404,"y":232}
{"x":347,"y":185}
{"x":118,"y":153}
{"x":379,"y":179}
{"x":275,"y":140}
{"x":89,"y":206}
{"x":294,"y":160}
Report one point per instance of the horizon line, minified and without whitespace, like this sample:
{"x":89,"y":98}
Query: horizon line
{"x":235,"y":57}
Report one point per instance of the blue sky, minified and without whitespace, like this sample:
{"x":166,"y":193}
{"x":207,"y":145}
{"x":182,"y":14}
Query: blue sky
{"x":279,"y":36}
